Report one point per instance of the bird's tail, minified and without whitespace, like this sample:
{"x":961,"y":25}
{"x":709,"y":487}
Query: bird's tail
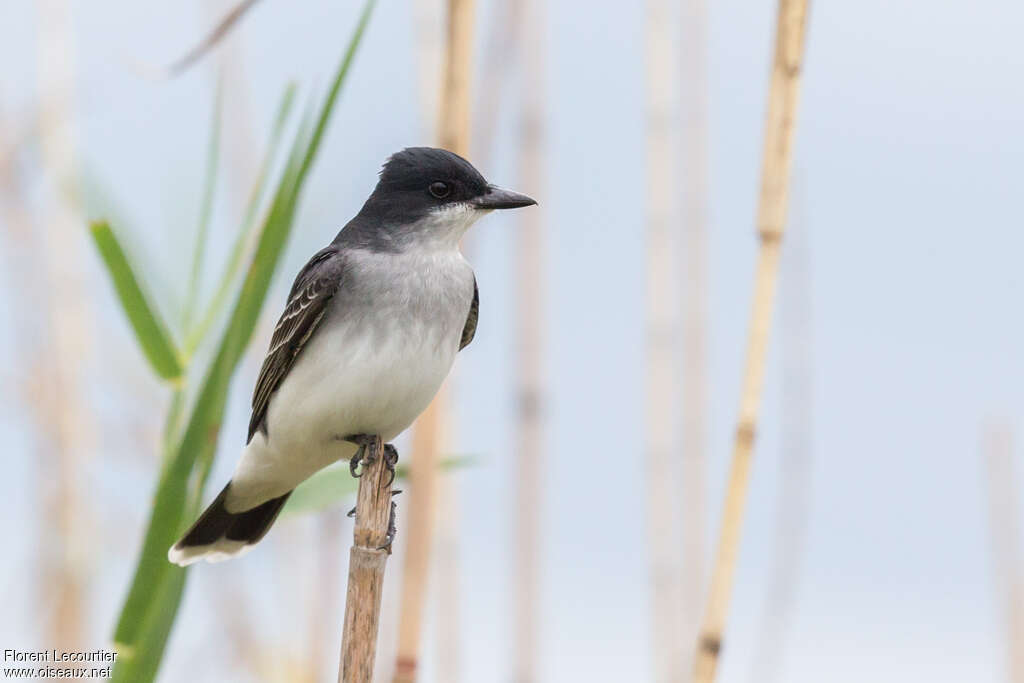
{"x":220,"y":535}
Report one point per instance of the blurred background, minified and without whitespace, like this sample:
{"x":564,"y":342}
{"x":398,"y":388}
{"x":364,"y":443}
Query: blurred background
{"x":881,"y":534}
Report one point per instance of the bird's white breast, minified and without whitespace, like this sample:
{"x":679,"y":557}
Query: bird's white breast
{"x":373,"y":364}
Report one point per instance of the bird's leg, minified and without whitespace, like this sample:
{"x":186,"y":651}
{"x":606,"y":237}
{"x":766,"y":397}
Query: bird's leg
{"x":361,"y":440}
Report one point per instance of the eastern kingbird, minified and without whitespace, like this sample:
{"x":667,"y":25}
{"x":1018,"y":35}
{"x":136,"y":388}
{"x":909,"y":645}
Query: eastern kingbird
{"x":370,"y":331}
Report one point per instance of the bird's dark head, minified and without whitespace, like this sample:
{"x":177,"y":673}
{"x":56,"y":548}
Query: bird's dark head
{"x":428,"y":193}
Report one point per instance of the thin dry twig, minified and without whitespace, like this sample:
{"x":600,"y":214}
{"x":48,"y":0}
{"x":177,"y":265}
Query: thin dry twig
{"x":367,"y":559}
{"x":778,"y":145}
{"x":219,"y":32}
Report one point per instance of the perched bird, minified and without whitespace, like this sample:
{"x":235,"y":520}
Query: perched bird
{"x":370,"y":331}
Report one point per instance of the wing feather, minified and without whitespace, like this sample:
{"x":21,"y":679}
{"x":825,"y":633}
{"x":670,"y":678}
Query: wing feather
{"x":314,"y":287}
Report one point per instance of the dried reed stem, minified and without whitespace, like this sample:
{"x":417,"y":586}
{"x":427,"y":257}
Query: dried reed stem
{"x":428,"y":20}
{"x":694,"y":383}
{"x":419,"y":537}
{"x":530,"y":337}
{"x":64,"y":356}
{"x":778,"y":145}
{"x":662,"y":444}
{"x":453,"y":134}
{"x":366,"y":570}
{"x":1004,"y":506}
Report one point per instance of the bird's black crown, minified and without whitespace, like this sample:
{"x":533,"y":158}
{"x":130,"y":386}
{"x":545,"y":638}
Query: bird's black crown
{"x":425,"y":169}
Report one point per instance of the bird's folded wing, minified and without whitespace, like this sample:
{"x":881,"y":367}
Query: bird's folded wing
{"x":469,"y":329}
{"x":314,"y":287}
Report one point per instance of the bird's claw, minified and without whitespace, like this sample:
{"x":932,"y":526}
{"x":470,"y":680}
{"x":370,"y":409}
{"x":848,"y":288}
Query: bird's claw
{"x":353,"y":464}
{"x":352,"y":513}
{"x":390,"y":461}
{"x":360,"y":457}
{"x":392,"y":531}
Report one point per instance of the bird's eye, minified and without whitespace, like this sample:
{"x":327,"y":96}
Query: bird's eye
{"x":440,"y":190}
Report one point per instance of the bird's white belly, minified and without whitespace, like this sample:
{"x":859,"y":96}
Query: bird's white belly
{"x":372,"y":372}
{"x":351,"y":382}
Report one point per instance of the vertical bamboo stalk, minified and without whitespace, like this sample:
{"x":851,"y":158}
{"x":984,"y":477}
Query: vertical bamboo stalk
{"x":662,"y":320}
{"x":366,"y":563}
{"x":778,"y":146}
{"x":796,"y":450}
{"x":453,"y":123}
{"x":1004,"y":511}
{"x":694,"y":129}
{"x":530,"y":331}
{"x":453,"y":134}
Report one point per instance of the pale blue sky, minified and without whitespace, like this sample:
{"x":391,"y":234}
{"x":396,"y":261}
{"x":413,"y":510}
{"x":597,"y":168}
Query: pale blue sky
{"x":908,"y":168}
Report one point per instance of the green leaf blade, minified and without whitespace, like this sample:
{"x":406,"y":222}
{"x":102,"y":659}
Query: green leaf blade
{"x":238,"y":250}
{"x":150,"y":331}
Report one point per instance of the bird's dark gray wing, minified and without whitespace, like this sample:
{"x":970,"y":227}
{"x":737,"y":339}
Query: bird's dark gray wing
{"x":314,"y":287}
{"x":469,"y":330}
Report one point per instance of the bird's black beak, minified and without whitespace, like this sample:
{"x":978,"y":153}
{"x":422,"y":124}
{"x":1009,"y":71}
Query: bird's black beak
{"x":500,"y":198}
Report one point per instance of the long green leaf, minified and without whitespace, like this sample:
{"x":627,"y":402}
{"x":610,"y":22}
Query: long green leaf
{"x":200,"y":437}
{"x":238,"y":250}
{"x":205,"y":211}
{"x":141,"y":662}
{"x":150,"y":331}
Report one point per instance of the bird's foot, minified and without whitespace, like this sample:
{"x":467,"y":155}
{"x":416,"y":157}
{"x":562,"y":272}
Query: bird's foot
{"x":360,"y":458}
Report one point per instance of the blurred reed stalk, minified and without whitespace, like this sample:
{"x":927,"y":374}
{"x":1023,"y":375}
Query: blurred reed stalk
{"x":530,"y":309}
{"x":500,"y":50}
{"x":367,"y":559}
{"x":793,"y":500}
{"x":1004,"y":511}
{"x":447,"y":579}
{"x":453,"y":123}
{"x":328,"y":532}
{"x":662,"y":349}
{"x":429,"y":19}
{"x":694,"y":131}
{"x":64,"y":356}
{"x":779,"y":128}
{"x":778,"y":145}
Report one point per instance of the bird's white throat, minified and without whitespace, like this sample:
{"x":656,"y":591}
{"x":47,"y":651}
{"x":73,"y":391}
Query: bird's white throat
{"x":445,"y":226}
